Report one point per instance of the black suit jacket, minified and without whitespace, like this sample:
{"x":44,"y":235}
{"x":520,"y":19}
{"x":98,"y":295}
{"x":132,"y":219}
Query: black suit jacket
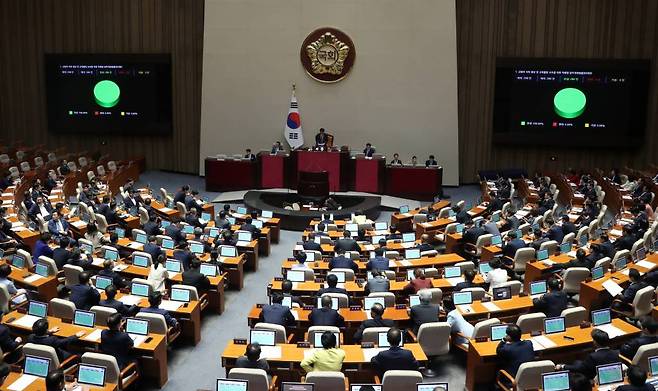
{"x":59,"y":344}
{"x":321,"y":138}
{"x":551,"y":303}
{"x":599,"y":357}
{"x":175,"y":233}
{"x":120,"y":307}
{"x":331,"y":290}
{"x":347,"y":245}
{"x":326,"y":317}
{"x":277,"y":314}
{"x":193,"y":278}
{"x":471,"y":236}
{"x":153,"y":249}
{"x":510,"y":248}
{"x":312,"y":246}
{"x":464,"y":285}
{"x":117,"y":344}
{"x":568,"y":228}
{"x":151,"y":228}
{"x":343,"y":263}
{"x":424,"y":313}
{"x":7,"y":342}
{"x":395,"y":358}
{"x":61,"y":257}
{"x":84,"y":296}
{"x":462,"y":217}
{"x":628,"y":387}
{"x":512,"y":355}
{"x":371,"y":323}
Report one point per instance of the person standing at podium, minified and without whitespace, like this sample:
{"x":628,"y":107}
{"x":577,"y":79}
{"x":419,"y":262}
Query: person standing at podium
{"x":368,"y":151}
{"x":321,"y":139}
{"x":396,"y":160}
{"x":276,"y":148}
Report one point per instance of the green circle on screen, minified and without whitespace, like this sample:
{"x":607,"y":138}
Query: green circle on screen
{"x":106,"y":93}
{"x":569,"y":102}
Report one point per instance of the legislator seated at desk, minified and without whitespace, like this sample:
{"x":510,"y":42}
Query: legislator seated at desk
{"x":332,"y":283}
{"x":601,"y":355}
{"x":396,"y":357}
{"x":117,"y":342}
{"x":326,"y":315}
{"x":376,"y":320}
{"x":276,"y":313}
{"x":329,"y":358}
{"x":553,"y":302}
{"x":512,"y":351}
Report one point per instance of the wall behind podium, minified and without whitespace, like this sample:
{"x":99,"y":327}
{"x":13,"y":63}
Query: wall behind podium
{"x":401,"y":94}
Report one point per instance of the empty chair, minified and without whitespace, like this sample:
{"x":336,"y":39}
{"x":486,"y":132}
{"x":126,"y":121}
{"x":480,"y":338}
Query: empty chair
{"x":135,"y":232}
{"x":429,"y":253}
{"x":82,"y":161}
{"x":101,"y":223}
{"x":52,"y":266}
{"x":419,"y":219}
{"x":437,"y":295}
{"x":52,"y":157}
{"x":389,"y":297}
{"x":434,"y":339}
{"x":574,"y":316}
{"x":72,"y":167}
{"x":444,"y":213}
{"x":431,"y":272}
{"x":477,"y":293}
{"x":15,"y":174}
{"x":142,"y":281}
{"x":528,"y":377}
{"x":29,"y":264}
{"x":25,"y":166}
{"x":603,"y":262}
{"x":515,"y":286}
{"x":71,"y":274}
{"x":621,"y":254}
{"x":100,"y":170}
{"x":642,"y":303}
{"x":61,"y":308}
{"x":476,"y":250}
{"x":112,"y":166}
{"x":582,"y":231}
{"x":143,"y":215}
{"x":182,"y":210}
{"x":102,"y":313}
{"x":550,"y":245}
{"x":371,"y":334}
{"x":90,"y":175}
{"x":257,"y":378}
{"x":4,"y":158}
{"x":572,"y":278}
{"x":642,"y":355}
{"x":20,"y":155}
{"x":326,"y":381}
{"x":522,"y":257}
{"x":483,"y":328}
{"x":531,"y":322}
{"x":281,"y":335}
{"x":401,"y":380}
{"x":391,"y":254}
{"x":113,"y":374}
{"x":465,"y":265}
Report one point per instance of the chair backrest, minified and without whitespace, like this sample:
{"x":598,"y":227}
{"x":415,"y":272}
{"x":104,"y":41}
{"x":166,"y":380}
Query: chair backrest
{"x":71,"y":274}
{"x":515,"y":286}
{"x":72,"y":166}
{"x":257,"y":378}
{"x":395,"y":380}
{"x":111,"y":165}
{"x":52,"y":157}
{"x":451,"y":228}
{"x":4,"y":158}
{"x":483,"y":328}
{"x":52,"y":266}
{"x":90,"y":175}
{"x":531,"y":322}
{"x":182,"y":210}
{"x":582,"y":231}
{"x":101,"y":223}
{"x":574,"y":316}
{"x":149,"y":260}
{"x":164,"y":194}
{"x":392,"y":254}
{"x":61,"y":308}
{"x":349,"y":273}
{"x":280,"y":336}
{"x":14,"y":172}
{"x":371,"y":334}
{"x":642,"y":302}
{"x":83,"y":161}
{"x":419,"y":218}
{"x":465,"y":265}
{"x":605,"y":262}
{"x":25,"y":166}
{"x":389,"y":297}
{"x":429,"y":253}
{"x":642,"y":355}
{"x":550,"y":245}
{"x":437,"y":295}
{"x":483,"y":241}
{"x":135,"y":231}
{"x":325,"y":381}
{"x":477,"y":293}
{"x":144,"y":282}
{"x":194,"y":294}
{"x":100,"y":170}
{"x":343,"y":300}
{"x":444,"y":212}
{"x":42,"y":351}
{"x":102,"y":313}
{"x":157,"y":322}
{"x":528,"y":377}
{"x":569,"y":238}
{"x":621,"y":254}
{"x":522,"y":257}
{"x":143,"y":215}
{"x":431,"y":272}
{"x":573,"y":276}
{"x":112,"y":371}
{"x":638,"y":243}
{"x":319,"y":330}
{"x":434,"y":338}
{"x":29,"y":263}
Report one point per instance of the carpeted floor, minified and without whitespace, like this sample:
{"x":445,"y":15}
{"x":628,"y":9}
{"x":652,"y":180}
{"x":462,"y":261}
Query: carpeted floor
{"x":197,"y":367}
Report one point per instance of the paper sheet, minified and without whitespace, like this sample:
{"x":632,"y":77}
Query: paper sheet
{"x":544,"y":341}
{"x":368,"y":354}
{"x":242,"y":244}
{"x":32,"y":278}
{"x":135,"y":245}
{"x":612,"y":287}
{"x":392,"y":263}
{"x":270,"y":352}
{"x":406,"y":263}
{"x":18,"y":229}
{"x":170,"y":305}
{"x":548,"y":262}
{"x":98,"y":261}
{"x":646,"y":264}
{"x":79,"y":224}
{"x":612,"y":331}
{"x":130,"y":299}
{"x":22,"y":382}
{"x":455,"y":280}
{"x":615,"y":232}
{"x":309,"y":353}
{"x":408,"y":245}
{"x":465,"y":308}
{"x":26,"y":321}
{"x":94,"y":336}
{"x":491,"y":306}
{"x":137,"y":339}
{"x":120,"y":267}
{"x":165,"y":210}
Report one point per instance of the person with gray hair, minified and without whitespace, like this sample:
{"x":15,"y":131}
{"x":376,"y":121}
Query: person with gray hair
{"x":378,"y":283}
{"x":425,"y":312}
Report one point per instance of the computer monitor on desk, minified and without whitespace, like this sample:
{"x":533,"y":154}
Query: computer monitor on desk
{"x":297,"y":386}
{"x":231,"y":385}
{"x":555,"y":381}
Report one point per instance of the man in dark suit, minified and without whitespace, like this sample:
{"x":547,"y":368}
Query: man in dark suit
{"x":58,"y":226}
{"x":117,"y":342}
{"x":625,"y":242}
{"x":111,"y":216}
{"x":649,"y":335}
{"x":61,"y":254}
{"x":637,"y":377}
{"x":368,"y":151}
{"x":132,"y":201}
{"x":152,"y":248}
{"x":395,"y":358}
{"x":580,"y":261}
{"x":425,"y":312}
{"x":104,"y":206}
{"x":546,"y":203}
{"x":248,"y":155}
{"x":152,"y":227}
{"x":310,"y":243}
{"x":346,"y":243}
{"x":194,"y":278}
{"x":41,"y":336}
{"x":181,"y":194}
{"x":174,"y":231}
{"x":110,"y":301}
{"x":276,"y":148}
{"x":325,"y":315}
{"x":321,"y":138}
{"x":80,"y":259}
{"x":332,"y":281}
{"x":431,"y":161}
{"x":8,"y":343}
{"x":379,"y":262}
{"x":607,"y":247}
{"x":276,"y":313}
{"x":512,"y":352}
{"x":184,"y":255}
{"x":628,"y":294}
{"x":495,"y":203}
{"x":553,"y":302}
{"x":83,"y":295}
{"x":469,"y":276}
{"x":107,"y":271}
{"x":376,"y":320}
{"x":472,"y":233}
{"x":41,"y":247}
{"x":513,"y":244}
{"x":221,"y":221}
{"x":342,"y":262}
{"x":461,"y":216}
{"x":155,"y":299}
{"x":40,"y":207}
{"x":511,"y":222}
{"x":601,"y":355}
{"x":554,"y":232}
{"x":192,"y":218}
{"x":425,"y":243}
{"x":249,"y":226}
{"x":567,"y":226}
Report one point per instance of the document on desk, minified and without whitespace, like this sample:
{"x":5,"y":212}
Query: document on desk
{"x":32,"y":278}
{"x":491,"y":306}
{"x":646,"y":264}
{"x":612,"y":331}
{"x":130,"y":299}
{"x":94,"y":336}
{"x":170,"y":305}
{"x":455,"y":280}
{"x":120,"y":267}
{"x":270,"y":352}
{"x":137,"y":339}
{"x":98,"y":261}
{"x":135,"y":245}
{"x":242,"y":243}
{"x":406,"y":263}
{"x":79,"y":224}
{"x":369,"y":247}
{"x":17,"y":224}
{"x":18,"y":229}
{"x":26,"y":321}
{"x":615,"y":232}
{"x":165,"y":210}
{"x":612,"y":287}
{"x":465,"y":308}
{"x":548,"y":262}
{"x":408,"y":245}
{"x":543,"y":342}
{"x":308,"y":353}
{"x":295,"y":314}
{"x":369,"y":353}
{"x":22,"y":382}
